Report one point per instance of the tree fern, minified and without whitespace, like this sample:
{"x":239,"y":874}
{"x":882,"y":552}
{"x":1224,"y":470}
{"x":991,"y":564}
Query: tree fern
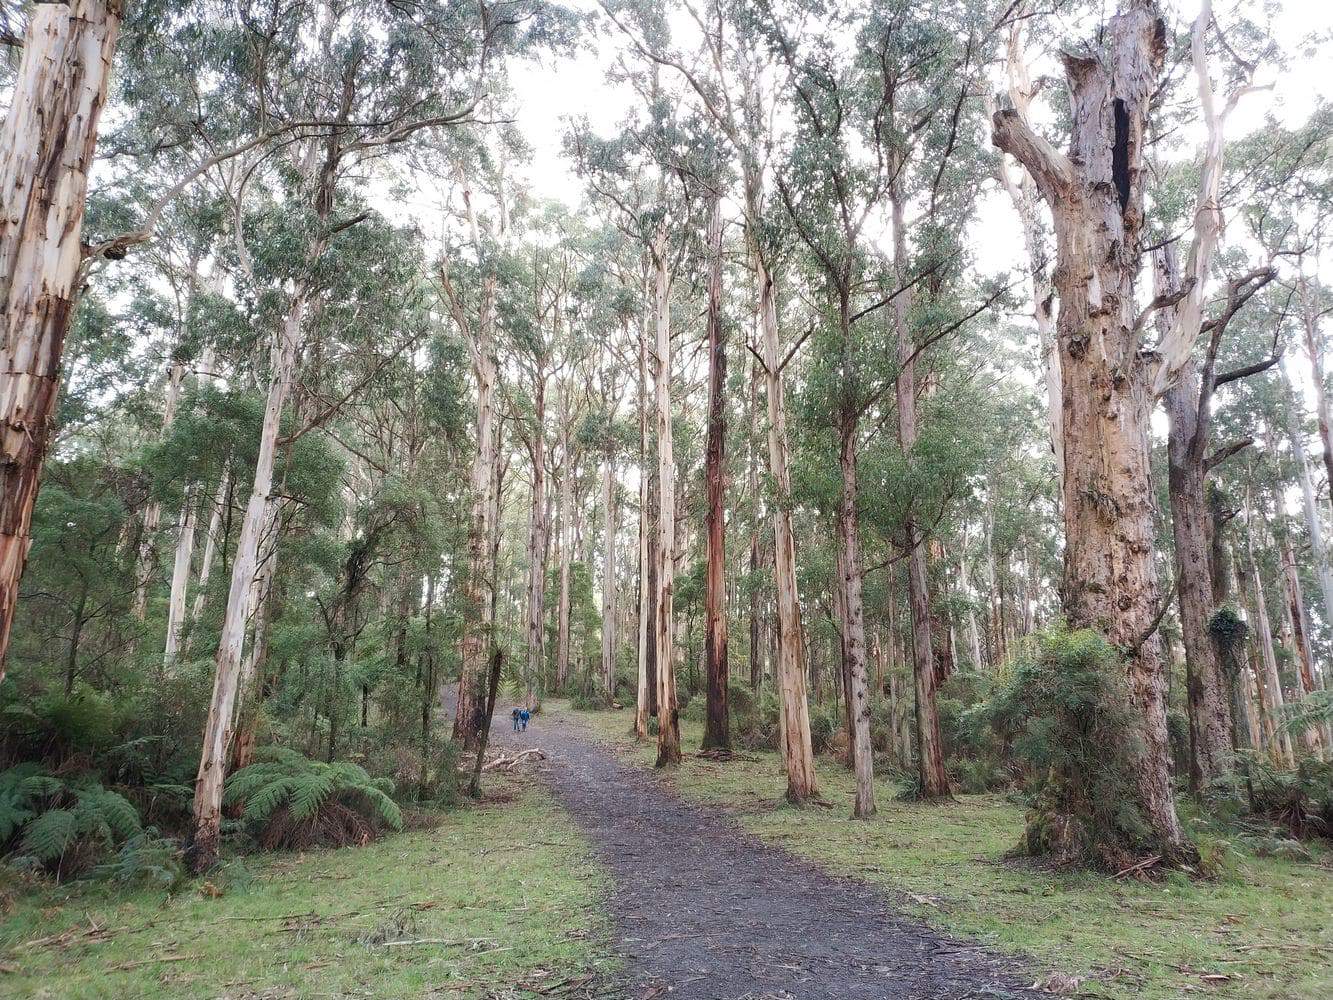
{"x":48,"y":816}
{"x":289,"y":800}
{"x":50,"y":835}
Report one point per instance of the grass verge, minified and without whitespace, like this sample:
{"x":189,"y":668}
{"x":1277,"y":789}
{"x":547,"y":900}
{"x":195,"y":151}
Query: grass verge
{"x":1265,"y":933}
{"x":499,"y":899}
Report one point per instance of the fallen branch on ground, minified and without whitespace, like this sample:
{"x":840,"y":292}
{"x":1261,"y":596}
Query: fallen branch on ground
{"x":504,"y":763}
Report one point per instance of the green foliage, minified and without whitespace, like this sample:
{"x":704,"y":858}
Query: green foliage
{"x":1300,"y":801}
{"x":1066,"y":716}
{"x":64,"y":824}
{"x":144,"y":857}
{"x":289,"y":801}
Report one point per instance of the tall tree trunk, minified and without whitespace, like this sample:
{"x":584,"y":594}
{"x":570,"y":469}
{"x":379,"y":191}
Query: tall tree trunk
{"x":668,"y":720}
{"x":853,"y":625}
{"x":645,"y":703}
{"x":227,"y":668}
{"x":609,"y":602}
{"x":1096,"y":200}
{"x":478,"y":583}
{"x":213,"y":540}
{"x":1023,"y":196}
{"x":187,"y":528}
{"x":1191,"y":525}
{"x":717,"y":726}
{"x":756,"y":652}
{"x":565,"y":516}
{"x":145,"y":568}
{"x":1299,"y":624}
{"x":1271,"y":684}
{"x":1230,"y":648}
{"x":536,"y":605}
{"x":46,"y":153}
{"x":1319,"y":554}
{"x":1314,"y":346}
{"x":932,"y":778}
{"x":794,"y":727}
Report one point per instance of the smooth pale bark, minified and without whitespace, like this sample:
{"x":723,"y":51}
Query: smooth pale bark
{"x":647,"y":680}
{"x":1023,"y":196}
{"x":534,"y":623}
{"x":1314,"y":347}
{"x":249,"y":688}
{"x":227,"y":668}
{"x":1271,"y":684}
{"x":932,"y":778}
{"x":794,"y":717}
{"x":1319,"y":554}
{"x":180,"y":575}
{"x":478,"y":583}
{"x":146,"y":560}
{"x":1096,"y":199}
{"x":187,"y":528}
{"x":46,"y":152}
{"x":212,"y":541}
{"x":668,"y":716}
{"x":609,"y":597}
{"x":717,"y":724}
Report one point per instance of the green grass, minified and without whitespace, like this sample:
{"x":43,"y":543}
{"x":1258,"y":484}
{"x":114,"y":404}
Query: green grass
{"x":507,"y":884}
{"x":1270,"y":928}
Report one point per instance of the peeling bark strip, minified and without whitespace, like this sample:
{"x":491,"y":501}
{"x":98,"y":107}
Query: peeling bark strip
{"x":1096,"y":200}
{"x":46,"y":151}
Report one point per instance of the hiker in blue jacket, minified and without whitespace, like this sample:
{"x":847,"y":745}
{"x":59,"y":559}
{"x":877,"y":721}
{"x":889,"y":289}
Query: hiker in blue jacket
{"x":523,"y":718}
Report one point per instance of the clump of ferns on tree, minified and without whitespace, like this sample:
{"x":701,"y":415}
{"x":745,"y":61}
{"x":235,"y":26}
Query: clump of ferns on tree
{"x":290,"y":802}
{"x":1067,"y":717}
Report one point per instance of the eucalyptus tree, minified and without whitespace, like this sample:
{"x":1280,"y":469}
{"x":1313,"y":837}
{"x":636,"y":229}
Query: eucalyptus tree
{"x":473,"y":307}
{"x":736,"y":79}
{"x":830,"y":194}
{"x":1095,"y":194}
{"x":373,"y":77}
{"x":47,"y":144}
{"x":649,"y":173}
{"x":912,"y":105}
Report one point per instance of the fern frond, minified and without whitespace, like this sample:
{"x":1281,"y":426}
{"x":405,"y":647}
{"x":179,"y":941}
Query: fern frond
{"x":50,"y":835}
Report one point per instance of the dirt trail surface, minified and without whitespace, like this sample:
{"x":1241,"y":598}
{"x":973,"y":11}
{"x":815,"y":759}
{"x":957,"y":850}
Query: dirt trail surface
{"x":703,"y":911}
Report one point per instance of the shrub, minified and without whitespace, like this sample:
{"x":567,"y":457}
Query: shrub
{"x":290,"y":802}
{"x":65,"y":825}
{"x":825,"y":722}
{"x":1066,"y":715}
{"x":976,"y":777}
{"x":589,"y":699}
